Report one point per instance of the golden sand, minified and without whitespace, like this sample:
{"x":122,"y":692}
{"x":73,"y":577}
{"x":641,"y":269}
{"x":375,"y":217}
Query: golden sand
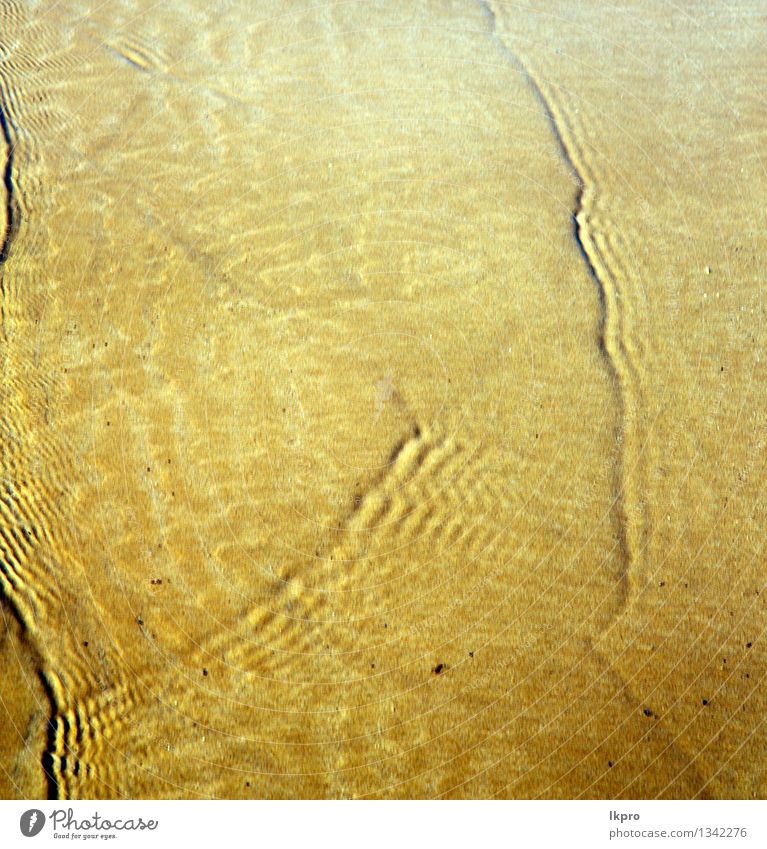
{"x":383,"y":406}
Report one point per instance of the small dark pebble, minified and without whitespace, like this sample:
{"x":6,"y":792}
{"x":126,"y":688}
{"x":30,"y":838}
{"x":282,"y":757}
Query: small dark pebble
{"x":647,"y":712}
{"x":609,"y":763}
{"x":471,"y":654}
{"x":205,"y":673}
{"x":705,"y":701}
{"x":85,"y":643}
{"x":748,"y":645}
{"x":440,"y":667}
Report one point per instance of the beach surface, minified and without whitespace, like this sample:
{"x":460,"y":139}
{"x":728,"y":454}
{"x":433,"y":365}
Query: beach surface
{"x":383,"y":400}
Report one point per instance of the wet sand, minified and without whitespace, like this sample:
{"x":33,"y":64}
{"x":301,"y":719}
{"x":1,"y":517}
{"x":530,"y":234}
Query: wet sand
{"x":383,"y":405}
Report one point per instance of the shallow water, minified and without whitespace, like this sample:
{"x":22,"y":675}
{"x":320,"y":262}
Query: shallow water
{"x":382,"y":400}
